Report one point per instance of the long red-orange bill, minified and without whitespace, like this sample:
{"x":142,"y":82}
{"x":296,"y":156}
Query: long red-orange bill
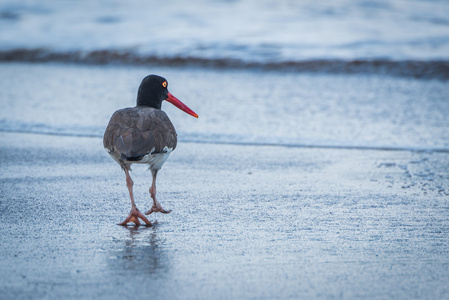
{"x":176,"y":102}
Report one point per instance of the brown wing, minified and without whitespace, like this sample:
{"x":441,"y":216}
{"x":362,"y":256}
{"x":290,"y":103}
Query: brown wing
{"x":135,"y":132}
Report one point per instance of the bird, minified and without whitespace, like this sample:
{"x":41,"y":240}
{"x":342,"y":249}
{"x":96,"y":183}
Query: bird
{"x":144,"y":135}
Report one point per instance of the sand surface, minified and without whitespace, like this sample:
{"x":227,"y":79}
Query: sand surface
{"x":247,"y":222}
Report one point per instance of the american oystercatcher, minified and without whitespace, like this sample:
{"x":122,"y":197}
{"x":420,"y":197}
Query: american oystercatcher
{"x":144,"y":135}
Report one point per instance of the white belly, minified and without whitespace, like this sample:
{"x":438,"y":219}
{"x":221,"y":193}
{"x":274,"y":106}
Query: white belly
{"x":155,"y":160}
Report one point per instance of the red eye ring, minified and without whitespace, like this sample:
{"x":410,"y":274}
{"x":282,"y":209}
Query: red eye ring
{"x":164,"y":84}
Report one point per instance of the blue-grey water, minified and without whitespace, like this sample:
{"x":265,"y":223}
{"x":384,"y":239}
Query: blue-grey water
{"x":248,"y":30}
{"x":407,"y":38}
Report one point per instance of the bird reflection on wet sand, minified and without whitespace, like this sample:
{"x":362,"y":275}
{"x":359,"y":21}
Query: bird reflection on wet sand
{"x":139,"y":253}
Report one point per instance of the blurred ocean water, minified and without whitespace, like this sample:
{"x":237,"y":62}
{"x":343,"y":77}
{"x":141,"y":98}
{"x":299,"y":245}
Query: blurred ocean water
{"x":241,"y":32}
{"x":327,"y":89}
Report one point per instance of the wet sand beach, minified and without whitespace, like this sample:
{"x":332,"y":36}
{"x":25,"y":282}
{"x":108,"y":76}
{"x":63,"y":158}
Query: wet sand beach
{"x":350,"y":199}
{"x":318,"y":167}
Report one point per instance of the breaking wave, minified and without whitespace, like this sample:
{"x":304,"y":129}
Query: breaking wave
{"x":423,"y":69}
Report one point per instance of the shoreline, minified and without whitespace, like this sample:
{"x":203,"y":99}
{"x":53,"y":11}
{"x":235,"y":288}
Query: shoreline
{"x":256,"y":144}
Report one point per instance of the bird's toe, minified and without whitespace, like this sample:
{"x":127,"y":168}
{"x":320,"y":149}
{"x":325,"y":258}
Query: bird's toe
{"x":134,"y":217}
{"x":157,"y":208}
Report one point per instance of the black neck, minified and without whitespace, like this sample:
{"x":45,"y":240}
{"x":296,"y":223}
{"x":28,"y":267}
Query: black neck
{"x":146,"y":97}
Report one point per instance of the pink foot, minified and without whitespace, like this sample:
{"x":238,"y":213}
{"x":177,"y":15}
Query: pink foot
{"x":134,"y":216}
{"x":157,"y":208}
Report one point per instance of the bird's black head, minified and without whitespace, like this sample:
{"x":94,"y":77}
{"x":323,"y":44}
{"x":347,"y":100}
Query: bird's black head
{"x":152,"y":91}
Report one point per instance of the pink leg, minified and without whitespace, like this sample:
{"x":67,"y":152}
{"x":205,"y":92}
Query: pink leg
{"x":135,"y":214}
{"x":156,"y":205}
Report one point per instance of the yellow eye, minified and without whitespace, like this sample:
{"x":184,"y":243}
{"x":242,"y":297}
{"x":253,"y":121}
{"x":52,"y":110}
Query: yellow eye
{"x":164,"y":84}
